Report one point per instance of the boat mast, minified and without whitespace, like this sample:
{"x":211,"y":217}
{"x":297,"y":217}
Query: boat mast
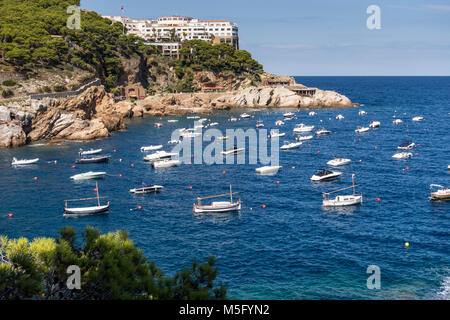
{"x":98,"y":195}
{"x":353,"y":182}
{"x":231,"y":195}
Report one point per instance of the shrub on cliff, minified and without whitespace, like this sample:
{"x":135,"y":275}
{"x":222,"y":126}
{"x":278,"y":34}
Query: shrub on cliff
{"x":7,"y":93}
{"x":111,"y":268}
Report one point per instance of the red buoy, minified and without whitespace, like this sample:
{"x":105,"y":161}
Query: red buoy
{"x":224,"y":172}
{"x":407,"y":168}
{"x":120,"y":175}
{"x":139,"y":207}
{"x":132,"y":165}
{"x":73,"y":167}
{"x":263,"y":206}
{"x":10,"y":215}
{"x":35,"y":178}
{"x":190,"y":188}
{"x":379,"y":199}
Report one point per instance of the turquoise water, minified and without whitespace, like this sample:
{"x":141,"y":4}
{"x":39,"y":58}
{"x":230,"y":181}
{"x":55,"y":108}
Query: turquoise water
{"x":293,"y":249}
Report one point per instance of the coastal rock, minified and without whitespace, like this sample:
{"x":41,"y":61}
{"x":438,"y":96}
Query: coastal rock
{"x":5,"y":114}
{"x":11,"y":134}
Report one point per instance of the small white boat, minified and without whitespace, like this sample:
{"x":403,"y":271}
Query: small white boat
{"x":159,"y":155}
{"x":234,"y":150}
{"x":292,"y":145}
{"x":274,"y":134}
{"x":202,"y":120}
{"x":162,"y":164}
{"x":213,"y":124}
{"x":158,"y":125}
{"x":146,"y":189}
{"x":362,"y":113}
{"x":342,"y":201}
{"x":190,"y":133}
{"x":323,"y":132}
{"x":337,"y":162}
{"x":419,"y":118}
{"x":88,"y":175}
{"x":304,"y":138}
{"x":193,"y":117}
{"x":302,"y":128}
{"x":339,"y":117}
{"x":402,"y":155}
{"x":259,"y":124}
{"x":24,"y":162}
{"x":245,"y":116}
{"x":397,"y":121}
{"x":324,"y":175}
{"x":279,"y":123}
{"x":406,"y":145}
{"x":442,"y":194}
{"x":312,"y":113}
{"x":84,"y":211}
{"x":151,"y":148}
{"x":374,"y":124}
{"x":90,"y":152}
{"x":268,"y":170}
{"x":289,"y":115}
{"x":172,"y":121}
{"x":174,"y":142}
{"x":218,"y":207}
{"x":233,"y":119}
{"x":362,"y":129}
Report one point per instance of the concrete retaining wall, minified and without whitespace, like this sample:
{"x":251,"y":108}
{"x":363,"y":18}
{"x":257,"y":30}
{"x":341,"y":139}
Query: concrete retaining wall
{"x":56,"y":95}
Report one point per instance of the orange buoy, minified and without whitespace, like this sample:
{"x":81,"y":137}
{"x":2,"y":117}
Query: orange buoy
{"x":278,"y":182}
{"x":10,"y":215}
{"x":35,"y":178}
{"x":190,"y":187}
{"x":120,"y":175}
{"x":95,"y":190}
{"x":114,"y":150}
{"x":139,"y":207}
{"x":407,"y":168}
{"x":263,"y":206}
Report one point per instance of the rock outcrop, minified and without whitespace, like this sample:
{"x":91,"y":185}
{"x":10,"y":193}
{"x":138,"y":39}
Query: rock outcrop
{"x":11,"y":134}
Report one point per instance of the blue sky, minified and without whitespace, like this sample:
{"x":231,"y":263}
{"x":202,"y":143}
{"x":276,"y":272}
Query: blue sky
{"x":321,"y":37}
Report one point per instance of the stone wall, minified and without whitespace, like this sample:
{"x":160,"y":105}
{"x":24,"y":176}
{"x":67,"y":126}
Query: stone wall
{"x":65,"y":94}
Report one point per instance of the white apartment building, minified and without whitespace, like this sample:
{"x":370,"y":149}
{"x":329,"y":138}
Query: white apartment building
{"x":184,"y":28}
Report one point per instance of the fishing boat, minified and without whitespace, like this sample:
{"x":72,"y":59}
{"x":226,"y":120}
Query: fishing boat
{"x":151,"y":148}
{"x":88,"y":175}
{"x":362,"y":113}
{"x":275,"y":134}
{"x":402,"y":155}
{"x":292,"y":145}
{"x":338,"y":162}
{"x":279,"y":123}
{"x":302,"y":128}
{"x":361,"y":129}
{"x":406,"y":145}
{"x":442,"y":194}
{"x":397,"y":121}
{"x":268,"y":170}
{"x":234,"y":150}
{"x":245,"y":116}
{"x":375,"y":124}
{"x":84,"y":211}
{"x":417,"y":119}
{"x":323,"y":132}
{"x":218,"y":207}
{"x":323,"y":175}
{"x":339,"y":117}
{"x":163,"y":164}
{"x":345,"y":200}
{"x":146,"y":189}
{"x":24,"y":162}
{"x":90,"y":152}
{"x":98,"y":159}
{"x":160,"y":155}
{"x":304,"y":138}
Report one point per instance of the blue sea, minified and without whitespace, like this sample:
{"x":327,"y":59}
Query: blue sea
{"x":294,"y":248}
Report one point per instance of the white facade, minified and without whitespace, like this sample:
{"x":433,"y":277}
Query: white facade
{"x":186,"y":28}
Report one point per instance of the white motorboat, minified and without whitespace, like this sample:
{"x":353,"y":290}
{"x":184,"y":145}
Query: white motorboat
{"x":323,"y":132}
{"x":312,"y":113}
{"x":174,"y":142}
{"x":406,"y":145}
{"x":279,"y":123}
{"x":233,"y":119}
{"x":219,"y":206}
{"x":162,"y":164}
{"x":146,"y":189}
{"x":213,"y":124}
{"x":151,"y":148}
{"x":268,"y":170}
{"x":202,"y":120}
{"x":88,"y":175}
{"x":172,"y":121}
{"x":419,"y":118}
{"x":275,"y":134}
{"x":259,"y":124}
{"x":362,"y":129}
{"x":289,"y":115}
{"x":324,"y":175}
{"x":302,"y":128}
{"x":90,"y":152}
{"x":190,"y":133}
{"x":304,"y":138}
{"x":158,"y":125}
{"x":397,"y":121}
{"x":402,"y":155}
{"x":339,"y":117}
{"x":245,"y":116}
{"x":24,"y":162}
{"x":362,"y":113}
{"x":345,"y":200}
{"x":292,"y":145}
{"x":234,"y":150}
{"x":442,"y":194}
{"x":84,"y":211}
{"x":375,"y":124}
{"x":160,"y":155}
{"x":193,"y":117}
{"x":337,"y":162}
